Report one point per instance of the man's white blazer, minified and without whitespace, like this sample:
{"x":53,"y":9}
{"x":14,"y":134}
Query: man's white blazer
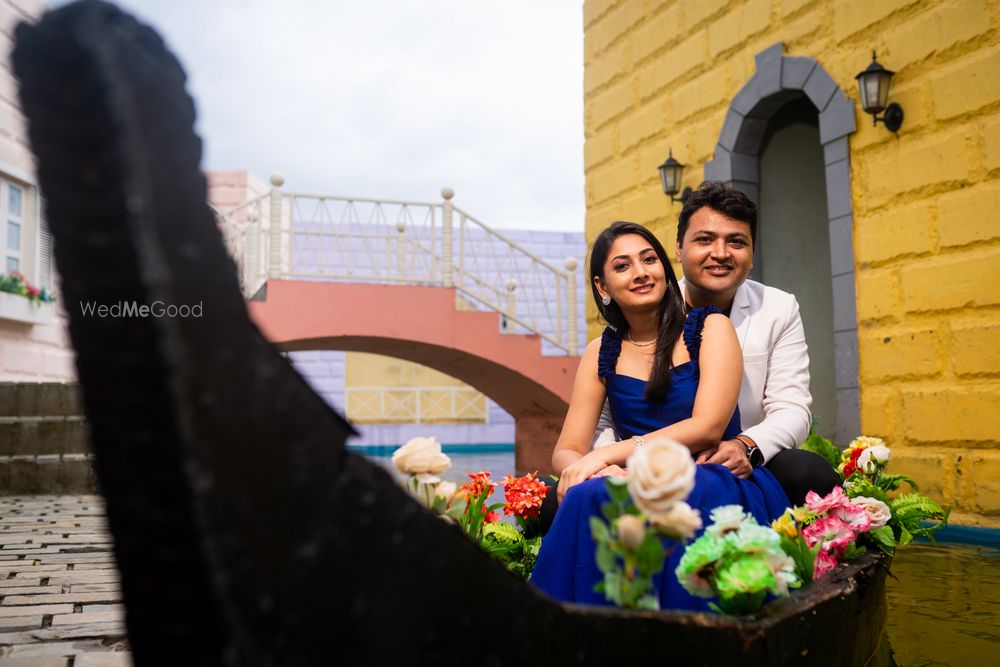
{"x":774,"y":397}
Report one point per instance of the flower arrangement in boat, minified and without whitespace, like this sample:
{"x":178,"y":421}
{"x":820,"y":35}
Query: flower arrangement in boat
{"x":737,"y":561}
{"x":515,"y":545}
{"x":822,"y":532}
{"x":15,"y":283}
{"x":895,"y":518}
{"x":643,"y":509}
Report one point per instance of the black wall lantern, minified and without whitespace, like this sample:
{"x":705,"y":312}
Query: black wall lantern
{"x":874,"y":85}
{"x":670,"y":177}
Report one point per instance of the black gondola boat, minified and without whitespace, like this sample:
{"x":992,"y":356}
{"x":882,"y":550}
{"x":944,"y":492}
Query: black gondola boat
{"x":245,"y":531}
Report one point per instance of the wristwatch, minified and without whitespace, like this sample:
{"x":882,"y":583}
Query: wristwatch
{"x":754,"y":454}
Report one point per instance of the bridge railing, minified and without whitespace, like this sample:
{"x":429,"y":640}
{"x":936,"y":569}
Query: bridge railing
{"x":324,"y":237}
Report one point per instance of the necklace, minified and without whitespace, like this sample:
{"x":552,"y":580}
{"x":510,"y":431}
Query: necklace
{"x":646,"y":344}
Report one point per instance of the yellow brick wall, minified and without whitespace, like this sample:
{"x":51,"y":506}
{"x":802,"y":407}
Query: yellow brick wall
{"x":662,"y":74}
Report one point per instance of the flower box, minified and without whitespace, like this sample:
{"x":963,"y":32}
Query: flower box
{"x":16,"y":308}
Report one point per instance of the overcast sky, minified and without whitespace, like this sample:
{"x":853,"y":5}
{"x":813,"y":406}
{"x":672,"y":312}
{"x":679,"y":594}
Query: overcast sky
{"x":393,"y":98}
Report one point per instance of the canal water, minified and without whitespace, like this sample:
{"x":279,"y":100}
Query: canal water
{"x":944,"y":599}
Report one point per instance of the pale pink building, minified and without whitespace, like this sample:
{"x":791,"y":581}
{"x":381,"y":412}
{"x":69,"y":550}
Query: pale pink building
{"x":33,"y":340}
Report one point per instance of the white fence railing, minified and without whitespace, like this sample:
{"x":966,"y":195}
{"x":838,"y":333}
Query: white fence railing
{"x":321,"y":237}
{"x":415,"y":405}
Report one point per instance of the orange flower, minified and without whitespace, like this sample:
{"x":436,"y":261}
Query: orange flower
{"x":524,"y":495}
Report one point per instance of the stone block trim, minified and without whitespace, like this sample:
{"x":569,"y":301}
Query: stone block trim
{"x":735,"y":162}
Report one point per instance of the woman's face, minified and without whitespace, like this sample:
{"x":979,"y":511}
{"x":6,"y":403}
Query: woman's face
{"x":633,"y":274}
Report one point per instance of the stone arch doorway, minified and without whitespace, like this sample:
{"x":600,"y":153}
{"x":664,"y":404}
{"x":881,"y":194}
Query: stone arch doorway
{"x":784,"y":143}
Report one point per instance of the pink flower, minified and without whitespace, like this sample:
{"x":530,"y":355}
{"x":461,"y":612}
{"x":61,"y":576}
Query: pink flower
{"x":856,"y":518}
{"x":836,"y":498}
{"x":824,"y":562}
{"x":830,"y":533}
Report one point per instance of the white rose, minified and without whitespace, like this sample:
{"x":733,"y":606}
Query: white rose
{"x":421,"y":455}
{"x":659,"y":475}
{"x":631,"y":531}
{"x":879,"y":454}
{"x":877,"y":511}
{"x":865,"y":463}
{"x":446,"y":490}
{"x":680,"y":522}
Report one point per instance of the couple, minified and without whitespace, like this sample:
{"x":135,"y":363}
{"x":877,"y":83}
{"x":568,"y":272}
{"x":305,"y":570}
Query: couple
{"x":716,"y":363}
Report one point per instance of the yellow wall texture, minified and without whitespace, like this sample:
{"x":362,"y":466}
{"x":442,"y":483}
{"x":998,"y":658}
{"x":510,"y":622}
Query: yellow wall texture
{"x":383,"y":389}
{"x":662,"y":74}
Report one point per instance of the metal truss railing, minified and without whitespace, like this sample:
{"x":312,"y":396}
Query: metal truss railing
{"x":324,"y":237}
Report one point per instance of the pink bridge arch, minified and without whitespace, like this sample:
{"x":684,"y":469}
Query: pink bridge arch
{"x":421,"y":324}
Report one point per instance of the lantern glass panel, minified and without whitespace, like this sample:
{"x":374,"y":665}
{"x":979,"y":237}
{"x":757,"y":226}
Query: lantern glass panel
{"x":668,"y":180}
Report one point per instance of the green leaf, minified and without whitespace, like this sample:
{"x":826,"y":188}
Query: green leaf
{"x":817,"y":444}
{"x":599,"y":530}
{"x":884,"y":539}
{"x":905,"y":537}
{"x":892,"y":482}
{"x":861,"y":486}
{"x":617,"y":489}
{"x":650,"y":556}
{"x":649,"y":602}
{"x":853,"y":551}
{"x":613,"y":588}
{"x":635,"y":590}
{"x":606,"y":558}
{"x":611,"y":511}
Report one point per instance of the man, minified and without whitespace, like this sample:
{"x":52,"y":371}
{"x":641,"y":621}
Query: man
{"x":715,"y":240}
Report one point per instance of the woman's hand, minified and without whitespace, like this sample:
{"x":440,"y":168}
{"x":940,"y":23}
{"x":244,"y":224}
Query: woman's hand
{"x":580,"y":470}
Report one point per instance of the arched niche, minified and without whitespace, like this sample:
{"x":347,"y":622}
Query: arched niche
{"x":779,"y":81}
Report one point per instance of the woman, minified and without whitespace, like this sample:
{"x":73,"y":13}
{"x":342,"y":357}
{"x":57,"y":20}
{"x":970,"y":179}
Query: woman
{"x":665,"y":373}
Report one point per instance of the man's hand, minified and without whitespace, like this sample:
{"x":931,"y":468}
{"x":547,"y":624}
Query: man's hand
{"x":733,"y":455}
{"x":580,"y":470}
{"x":705,"y":454}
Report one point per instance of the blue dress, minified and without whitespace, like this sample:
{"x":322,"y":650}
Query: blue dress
{"x":566,"y":568}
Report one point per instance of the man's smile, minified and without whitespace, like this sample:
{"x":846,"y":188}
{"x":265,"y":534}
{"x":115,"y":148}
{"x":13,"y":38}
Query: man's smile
{"x":718,"y":270}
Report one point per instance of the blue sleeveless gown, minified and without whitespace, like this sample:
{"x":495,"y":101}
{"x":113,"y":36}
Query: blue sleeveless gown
{"x":566,"y":568}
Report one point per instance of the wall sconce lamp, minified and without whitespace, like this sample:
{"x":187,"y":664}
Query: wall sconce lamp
{"x":874,"y":85}
{"x":670,"y":177}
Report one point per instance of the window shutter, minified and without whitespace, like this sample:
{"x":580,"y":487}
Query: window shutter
{"x":44,"y":246}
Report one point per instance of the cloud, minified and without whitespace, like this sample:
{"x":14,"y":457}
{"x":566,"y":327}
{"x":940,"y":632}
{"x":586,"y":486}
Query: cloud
{"x":393,"y":98}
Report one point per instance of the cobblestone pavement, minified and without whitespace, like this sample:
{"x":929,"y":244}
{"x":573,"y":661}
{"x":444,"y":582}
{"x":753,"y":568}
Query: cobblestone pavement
{"x":60,"y":599}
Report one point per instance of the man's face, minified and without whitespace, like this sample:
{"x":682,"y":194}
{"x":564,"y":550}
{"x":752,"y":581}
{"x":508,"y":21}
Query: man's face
{"x":716,"y":254}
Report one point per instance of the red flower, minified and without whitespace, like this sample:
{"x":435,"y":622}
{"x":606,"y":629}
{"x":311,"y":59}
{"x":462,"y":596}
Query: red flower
{"x":524,"y":495}
{"x":475,"y":488}
{"x":851,"y":465}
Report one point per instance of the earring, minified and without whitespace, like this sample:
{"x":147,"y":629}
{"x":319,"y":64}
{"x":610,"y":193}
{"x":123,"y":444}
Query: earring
{"x":606,"y":300}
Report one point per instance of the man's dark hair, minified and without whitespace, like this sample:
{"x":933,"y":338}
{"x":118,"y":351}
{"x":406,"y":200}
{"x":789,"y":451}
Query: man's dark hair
{"x":722,"y":198}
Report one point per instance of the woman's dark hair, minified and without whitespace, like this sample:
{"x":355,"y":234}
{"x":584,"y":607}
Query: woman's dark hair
{"x":723,"y":198}
{"x":672,"y":310}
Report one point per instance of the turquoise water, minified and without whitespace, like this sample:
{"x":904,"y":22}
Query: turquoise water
{"x":944,"y":599}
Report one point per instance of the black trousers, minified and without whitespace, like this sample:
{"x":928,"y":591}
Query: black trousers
{"x":797,"y":470}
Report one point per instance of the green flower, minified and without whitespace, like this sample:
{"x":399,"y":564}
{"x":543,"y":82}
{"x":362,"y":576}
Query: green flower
{"x":744,"y":574}
{"x":697,"y":563}
{"x":754,"y":538}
